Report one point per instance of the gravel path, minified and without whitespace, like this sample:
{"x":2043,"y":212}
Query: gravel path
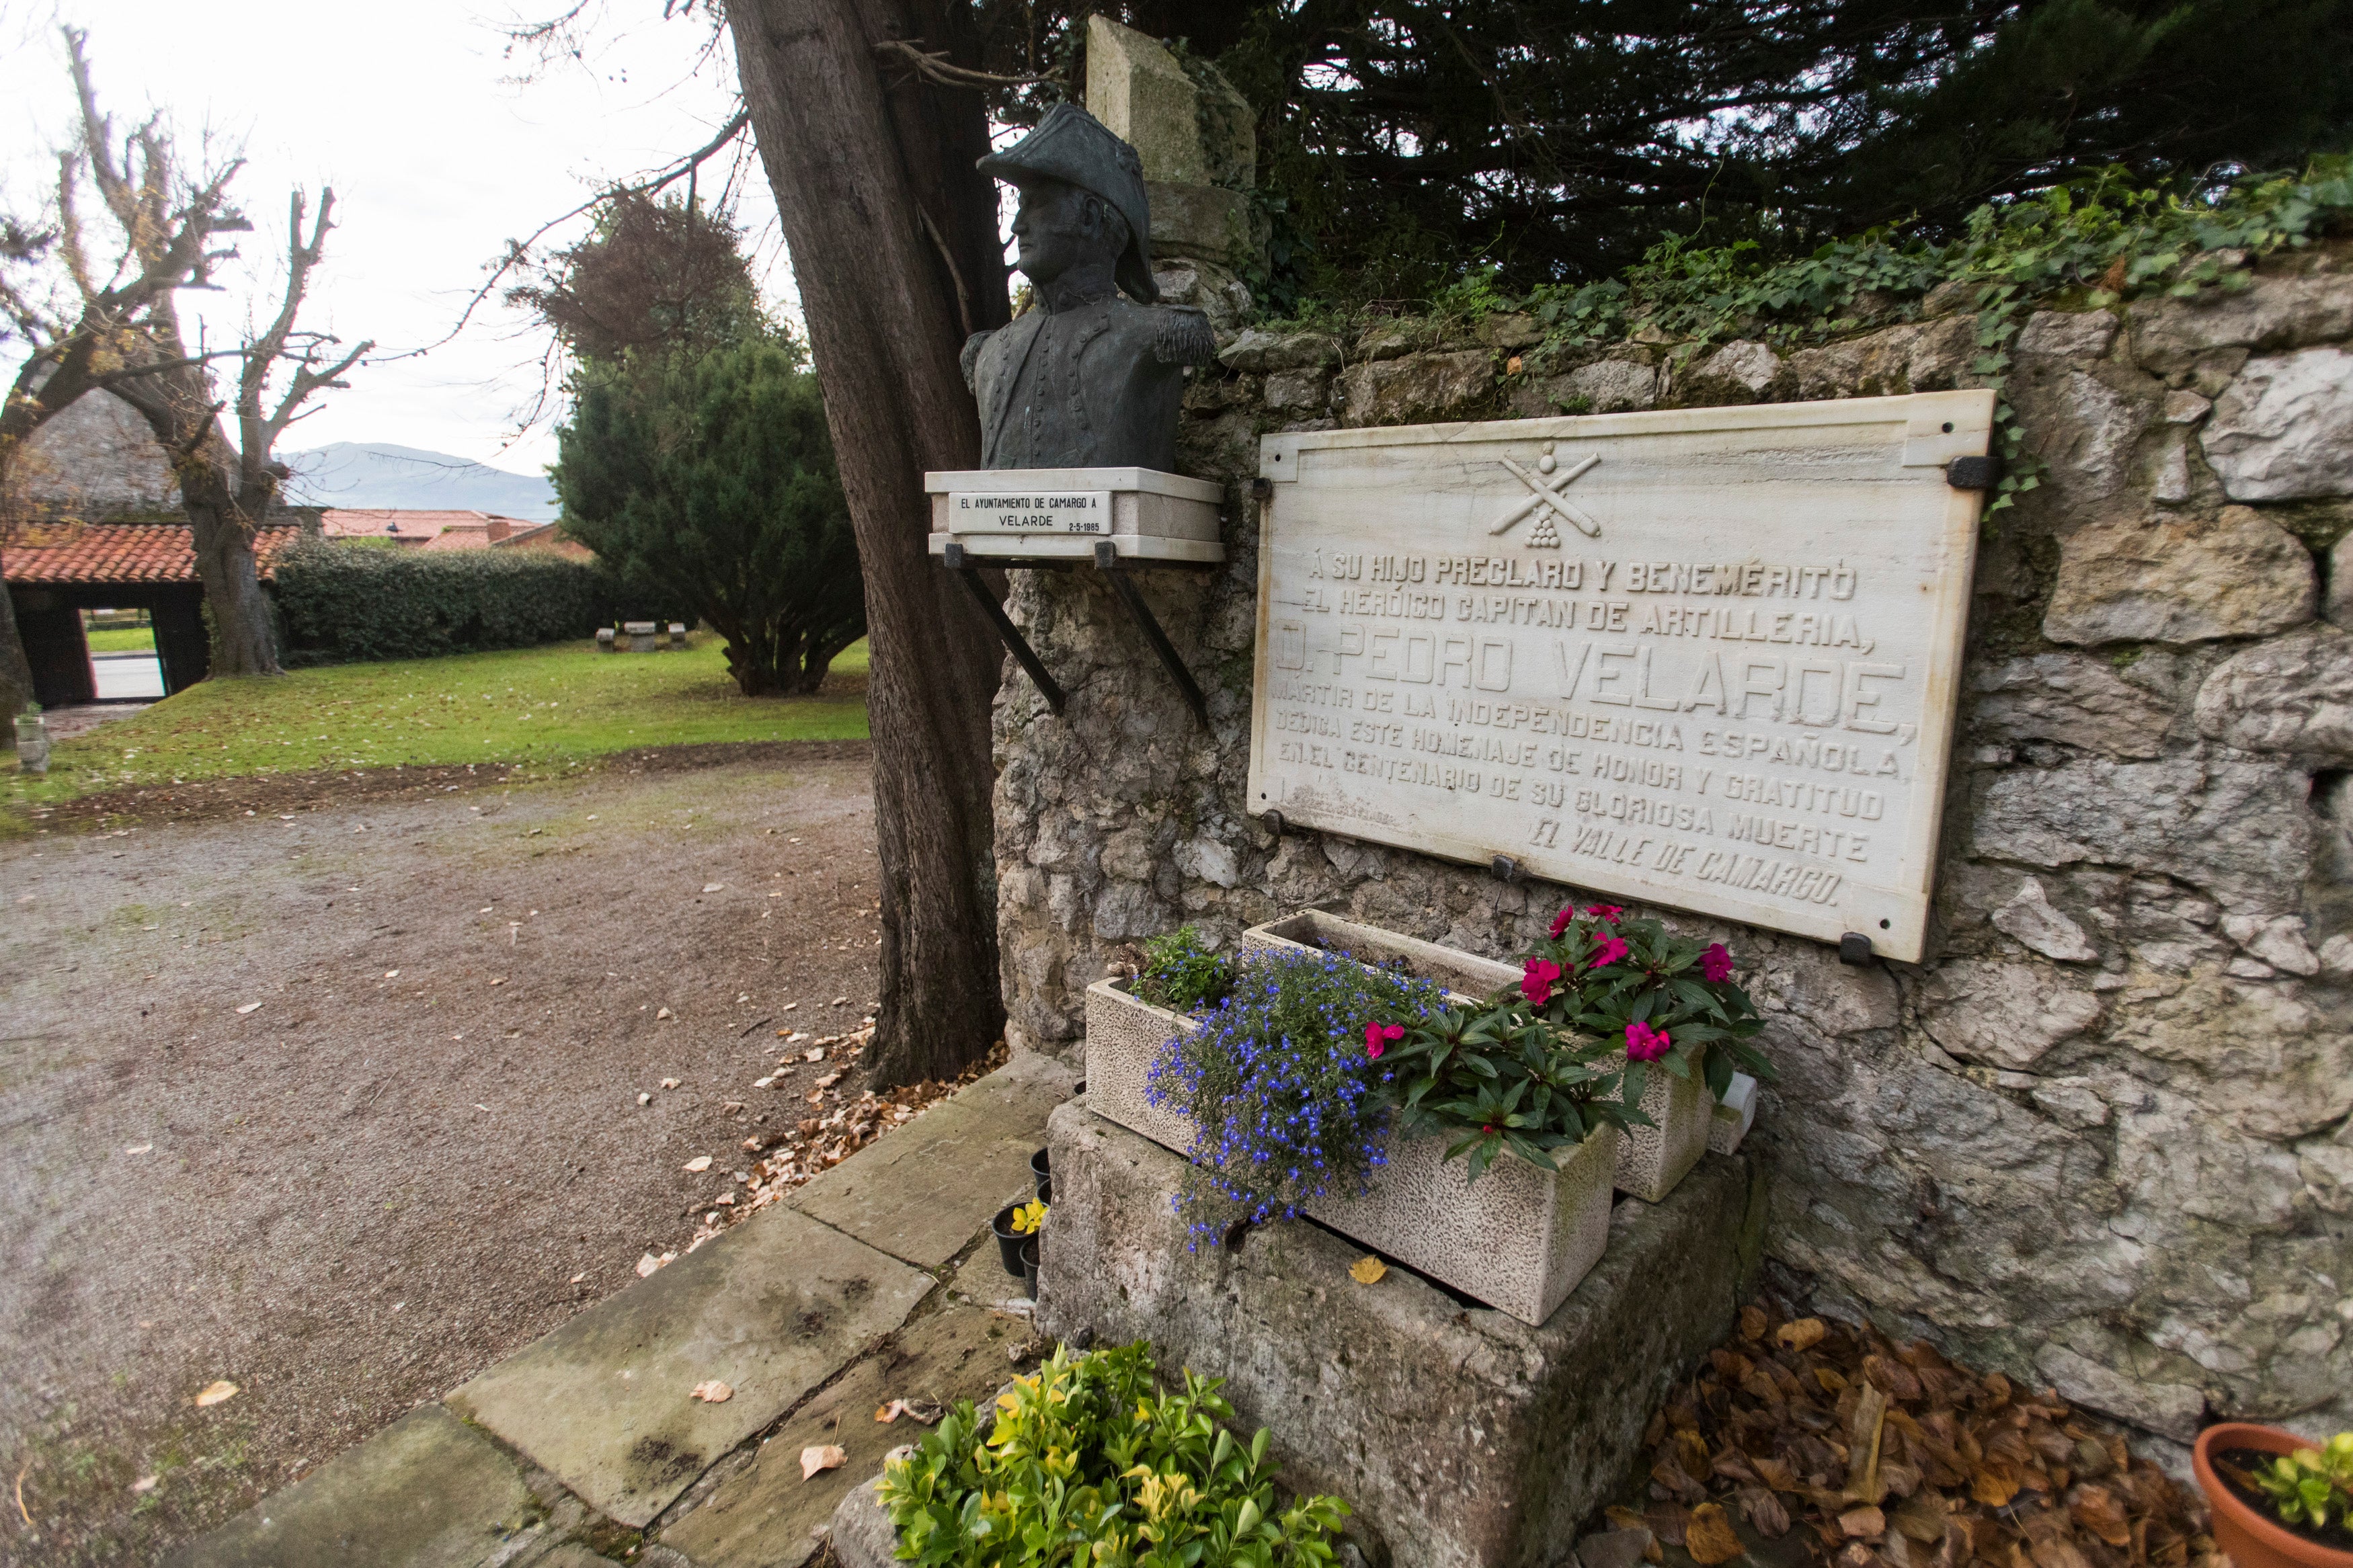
{"x":422,"y":1149}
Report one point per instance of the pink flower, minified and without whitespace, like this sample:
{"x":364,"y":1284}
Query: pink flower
{"x":1560,"y":923}
{"x":1377,"y":1038}
{"x":1644,"y":1043}
{"x":1715,"y":964}
{"x":1536,"y":984}
{"x":1607,"y":950}
{"x":1611,"y":913}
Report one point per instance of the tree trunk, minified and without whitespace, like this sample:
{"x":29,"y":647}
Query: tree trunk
{"x":884,"y":215}
{"x":15,"y":672}
{"x":244,"y":641}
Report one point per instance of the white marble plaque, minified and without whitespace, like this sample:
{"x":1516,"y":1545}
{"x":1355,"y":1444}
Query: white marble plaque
{"x":1031,"y":511}
{"x":1705,"y":657}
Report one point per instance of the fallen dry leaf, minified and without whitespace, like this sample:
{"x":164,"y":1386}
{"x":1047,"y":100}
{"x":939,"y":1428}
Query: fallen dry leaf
{"x":1368,"y":1270}
{"x":714,"y":886}
{"x":711,"y":1391}
{"x":1864,"y":1524}
{"x":665,"y":1012}
{"x":1709,"y":1536}
{"x":1765,"y":1511}
{"x":1994,"y":1484}
{"x":1752,"y":1323}
{"x":699,"y":1164}
{"x":647,"y":1265}
{"x":249,"y":1007}
{"x":2096,"y":1510}
{"x":215,"y":1393}
{"x":670,"y":1083}
{"x":821,"y":1456}
{"x":1803,"y":1334}
{"x":886,"y":1414}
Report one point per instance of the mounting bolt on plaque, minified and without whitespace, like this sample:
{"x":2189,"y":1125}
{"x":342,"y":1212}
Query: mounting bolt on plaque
{"x":1507,"y":869}
{"x":1856,"y":948}
{"x":1273,"y":822}
{"x":1973,"y":473}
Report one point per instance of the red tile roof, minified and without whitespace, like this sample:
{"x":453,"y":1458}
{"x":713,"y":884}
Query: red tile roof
{"x":122,"y":552}
{"x":411,"y":526}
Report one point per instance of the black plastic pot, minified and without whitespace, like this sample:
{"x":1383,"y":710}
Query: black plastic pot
{"x":1030,"y":1257}
{"x":1046,"y":1193}
{"x":1040,"y":1173}
{"x":1008,"y":1241}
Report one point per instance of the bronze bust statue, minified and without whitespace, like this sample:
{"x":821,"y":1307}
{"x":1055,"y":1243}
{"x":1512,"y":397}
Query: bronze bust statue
{"x":1085,"y":378}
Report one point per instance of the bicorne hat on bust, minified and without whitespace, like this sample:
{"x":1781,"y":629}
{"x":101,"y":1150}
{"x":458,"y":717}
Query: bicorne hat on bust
{"x":1073,"y":146}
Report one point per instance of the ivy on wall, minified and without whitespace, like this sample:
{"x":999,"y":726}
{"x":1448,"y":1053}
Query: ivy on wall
{"x":2095,"y":242}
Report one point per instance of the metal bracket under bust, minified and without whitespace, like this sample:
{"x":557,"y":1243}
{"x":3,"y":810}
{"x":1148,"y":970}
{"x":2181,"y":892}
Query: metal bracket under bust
{"x":1155,"y":520}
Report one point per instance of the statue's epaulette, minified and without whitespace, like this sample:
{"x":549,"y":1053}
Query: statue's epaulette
{"x":970,"y":360}
{"x":1184,"y":337}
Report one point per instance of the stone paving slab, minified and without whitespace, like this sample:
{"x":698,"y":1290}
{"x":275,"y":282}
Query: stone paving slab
{"x":773,"y":1309}
{"x":425,"y":1492}
{"x":763,"y":1517}
{"x":920,"y":1194}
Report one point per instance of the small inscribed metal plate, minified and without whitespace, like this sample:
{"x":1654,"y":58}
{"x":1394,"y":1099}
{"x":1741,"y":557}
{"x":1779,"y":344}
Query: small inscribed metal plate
{"x":1034,"y":511}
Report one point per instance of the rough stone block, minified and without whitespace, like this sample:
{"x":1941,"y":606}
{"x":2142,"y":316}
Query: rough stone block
{"x":1918,"y":356}
{"x":2068,"y":334}
{"x":1206,"y":221}
{"x":1188,"y":127}
{"x":2074,"y":698}
{"x":2339,"y":608}
{"x":1510,"y":329}
{"x":2283,"y":429}
{"x":1259,"y":350}
{"x":2180,"y":579}
{"x":1292,"y":391}
{"x":1460,"y":1437}
{"x":2294,"y":694}
{"x":1604,"y":386}
{"x":1416,"y":387}
{"x":1740,"y":366}
{"x":2169,"y":336}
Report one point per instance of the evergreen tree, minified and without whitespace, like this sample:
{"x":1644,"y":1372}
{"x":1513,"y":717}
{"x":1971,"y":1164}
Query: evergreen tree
{"x":697,"y":462}
{"x":712,"y":479}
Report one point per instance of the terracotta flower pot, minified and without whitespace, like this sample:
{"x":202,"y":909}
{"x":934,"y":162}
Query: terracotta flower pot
{"x":2253,"y":1537}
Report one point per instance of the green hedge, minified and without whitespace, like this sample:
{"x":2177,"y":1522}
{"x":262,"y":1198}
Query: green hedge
{"x":338,"y":605}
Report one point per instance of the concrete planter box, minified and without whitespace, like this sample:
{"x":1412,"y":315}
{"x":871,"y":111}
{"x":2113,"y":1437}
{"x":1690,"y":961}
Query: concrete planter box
{"x":1651,"y":1160}
{"x":1123,"y":1039}
{"x":1518,"y":1238}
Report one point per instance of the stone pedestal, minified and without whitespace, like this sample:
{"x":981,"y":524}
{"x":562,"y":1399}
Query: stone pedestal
{"x":1461,"y":1438}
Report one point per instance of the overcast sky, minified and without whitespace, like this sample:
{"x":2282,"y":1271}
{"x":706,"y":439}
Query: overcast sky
{"x":437,"y":152}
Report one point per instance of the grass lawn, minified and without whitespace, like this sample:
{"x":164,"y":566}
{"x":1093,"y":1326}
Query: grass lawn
{"x":122,"y":639}
{"x":545,"y":708}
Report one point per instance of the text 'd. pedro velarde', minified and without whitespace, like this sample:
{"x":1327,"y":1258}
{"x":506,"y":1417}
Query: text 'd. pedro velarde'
{"x":1705,"y":657}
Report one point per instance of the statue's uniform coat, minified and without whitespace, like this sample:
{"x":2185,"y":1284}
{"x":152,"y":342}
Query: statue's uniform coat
{"x":1093,"y":386}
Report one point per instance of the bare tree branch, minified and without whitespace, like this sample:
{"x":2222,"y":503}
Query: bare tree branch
{"x":936,"y":67}
{"x":518,"y":252}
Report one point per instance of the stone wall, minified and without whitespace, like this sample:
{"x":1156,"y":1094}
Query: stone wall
{"x":97,"y":461}
{"x":2099,"y":1140}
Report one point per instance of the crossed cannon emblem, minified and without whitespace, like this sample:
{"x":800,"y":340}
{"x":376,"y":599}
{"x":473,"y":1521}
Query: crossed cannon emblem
{"x":1544,"y":486}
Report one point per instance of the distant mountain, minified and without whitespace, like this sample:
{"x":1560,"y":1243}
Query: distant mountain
{"x":374,"y":474}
